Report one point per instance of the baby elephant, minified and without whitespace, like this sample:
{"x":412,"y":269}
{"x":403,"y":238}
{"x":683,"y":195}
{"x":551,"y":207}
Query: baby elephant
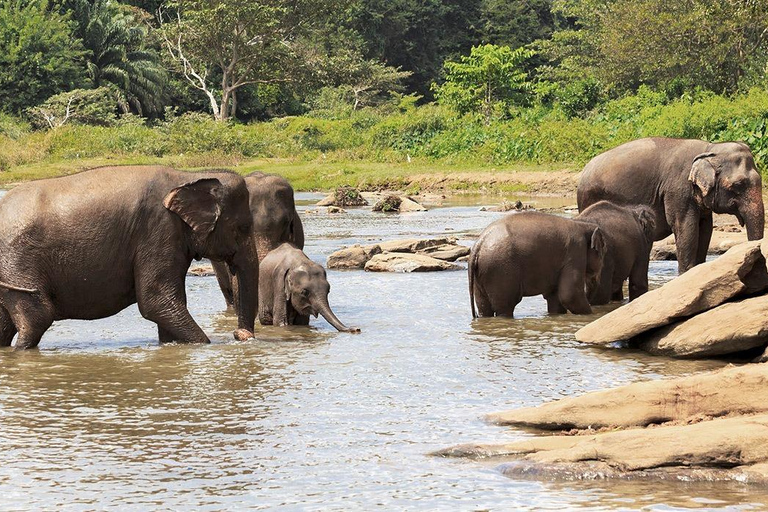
{"x":628,"y":232}
{"x":533,"y":253}
{"x":292,"y":287}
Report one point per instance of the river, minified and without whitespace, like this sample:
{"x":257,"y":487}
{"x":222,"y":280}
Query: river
{"x":103,"y":417}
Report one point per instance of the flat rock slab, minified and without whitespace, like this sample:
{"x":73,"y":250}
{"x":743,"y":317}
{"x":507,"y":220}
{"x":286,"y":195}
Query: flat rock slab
{"x":447,"y":252}
{"x":405,"y":262}
{"x":413,"y":245}
{"x":701,"y":288}
{"x":728,"y":328}
{"x":732,"y":390}
{"x":354,"y":257}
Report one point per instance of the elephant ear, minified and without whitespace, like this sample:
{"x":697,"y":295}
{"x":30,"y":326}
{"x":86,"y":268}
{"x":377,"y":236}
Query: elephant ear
{"x":703,"y":173}
{"x":597,"y":242}
{"x":196,"y":204}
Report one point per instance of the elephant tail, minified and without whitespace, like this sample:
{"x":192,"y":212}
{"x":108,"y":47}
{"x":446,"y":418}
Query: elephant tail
{"x":647,"y":220}
{"x":17,"y":288}
{"x":471,"y":269}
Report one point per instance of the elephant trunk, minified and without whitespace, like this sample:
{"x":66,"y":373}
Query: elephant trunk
{"x":245,"y":285}
{"x":322,"y":307}
{"x":752,"y":212}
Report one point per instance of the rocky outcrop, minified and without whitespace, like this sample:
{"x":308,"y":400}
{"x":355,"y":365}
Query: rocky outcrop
{"x":738,"y":272}
{"x":343,"y":196}
{"x":722,"y":240}
{"x":507,"y":206}
{"x":395,"y":203}
{"x":406,"y":262}
{"x":709,"y":426}
{"x":440,"y":249}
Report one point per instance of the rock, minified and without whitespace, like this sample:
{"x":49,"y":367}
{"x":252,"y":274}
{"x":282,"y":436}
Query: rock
{"x":722,"y":239}
{"x":740,"y":270}
{"x":663,"y":251}
{"x":728,"y":328}
{"x":448,"y":252}
{"x":242,"y":334}
{"x":507,"y":206}
{"x":390,"y":203}
{"x":343,"y":196}
{"x":354,"y":257}
{"x":407,"y":204}
{"x":731,"y":390}
{"x":733,"y":444}
{"x":201,"y":270}
{"x":404,"y":262}
{"x":336,"y":209}
{"x":414,"y":244}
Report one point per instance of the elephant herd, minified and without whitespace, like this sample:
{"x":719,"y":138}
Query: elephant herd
{"x":88,"y":245}
{"x":628,"y":197}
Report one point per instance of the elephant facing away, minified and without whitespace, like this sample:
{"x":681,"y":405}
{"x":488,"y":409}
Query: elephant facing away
{"x":628,"y":233}
{"x":88,"y":245}
{"x":683,"y":181}
{"x":534,"y":253}
{"x":275,"y":221}
{"x":292,"y":287}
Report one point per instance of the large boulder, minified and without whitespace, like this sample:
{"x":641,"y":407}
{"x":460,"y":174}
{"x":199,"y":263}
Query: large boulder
{"x":414,"y":244}
{"x":731,"y":390}
{"x":405,"y":262}
{"x":354,"y":257}
{"x":728,"y":328}
{"x":343,"y":196}
{"x":741,"y":270}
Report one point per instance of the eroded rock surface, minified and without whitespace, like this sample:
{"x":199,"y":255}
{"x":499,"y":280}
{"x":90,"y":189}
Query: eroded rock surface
{"x":406,"y":262}
{"x":354,"y":257}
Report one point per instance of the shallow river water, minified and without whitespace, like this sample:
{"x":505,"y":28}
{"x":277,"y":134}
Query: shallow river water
{"x":102,"y":417}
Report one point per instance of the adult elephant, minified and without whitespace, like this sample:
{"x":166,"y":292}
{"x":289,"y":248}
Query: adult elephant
{"x":683,"y":181}
{"x":275,"y":221}
{"x":88,"y":245}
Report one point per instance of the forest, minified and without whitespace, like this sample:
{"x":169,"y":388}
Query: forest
{"x":460,"y":84}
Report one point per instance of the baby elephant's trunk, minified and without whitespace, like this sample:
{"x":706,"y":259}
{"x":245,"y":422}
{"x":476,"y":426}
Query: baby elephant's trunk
{"x":322,"y":307}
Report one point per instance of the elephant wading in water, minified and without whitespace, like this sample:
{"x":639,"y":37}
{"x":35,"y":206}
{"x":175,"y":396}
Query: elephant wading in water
{"x":87,"y":246}
{"x":683,"y":181}
{"x":292,"y":287}
{"x":628,"y":233}
{"x":532,"y":253}
{"x":275,"y":221}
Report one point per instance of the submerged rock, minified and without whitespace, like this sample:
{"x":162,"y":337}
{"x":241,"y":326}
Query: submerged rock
{"x":740,"y":270}
{"x":406,"y":262}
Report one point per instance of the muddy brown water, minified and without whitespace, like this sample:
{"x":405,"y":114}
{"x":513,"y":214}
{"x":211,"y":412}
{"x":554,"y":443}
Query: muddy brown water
{"x":102,"y":417}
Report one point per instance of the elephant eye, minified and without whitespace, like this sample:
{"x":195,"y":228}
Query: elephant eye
{"x":305,"y":292}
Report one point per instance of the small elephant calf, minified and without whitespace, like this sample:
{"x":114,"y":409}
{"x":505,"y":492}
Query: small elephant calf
{"x":292,"y":287}
{"x":533,"y":253}
{"x":628,"y":232}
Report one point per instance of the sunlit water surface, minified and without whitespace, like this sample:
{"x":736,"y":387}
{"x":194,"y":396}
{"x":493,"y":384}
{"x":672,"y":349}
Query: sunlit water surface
{"x":102,"y":417}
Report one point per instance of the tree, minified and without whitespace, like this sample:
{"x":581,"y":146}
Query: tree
{"x":242,"y":41}
{"x":117,"y":54}
{"x":39,"y":57}
{"x":80,"y":106}
{"x":491,"y":76}
{"x":515,"y":23}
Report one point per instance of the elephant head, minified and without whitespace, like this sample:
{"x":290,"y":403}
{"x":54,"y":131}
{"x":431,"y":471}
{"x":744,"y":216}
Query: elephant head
{"x":307,"y":288}
{"x":217,"y":212}
{"x":275,"y":219}
{"x":725,"y":180}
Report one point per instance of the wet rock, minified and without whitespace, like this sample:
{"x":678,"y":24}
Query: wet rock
{"x":741,"y":270}
{"x":729,"y":391}
{"x":447,"y":252}
{"x":507,"y":206}
{"x":664,"y":251}
{"x":201,"y":270}
{"x":389,"y":203}
{"x":344,"y":196}
{"x":729,"y":328}
{"x":408,"y":204}
{"x":242,"y":334}
{"x":414,"y":244}
{"x":354,"y":257}
{"x":336,"y":209}
{"x":722,"y":239}
{"x":405,"y":262}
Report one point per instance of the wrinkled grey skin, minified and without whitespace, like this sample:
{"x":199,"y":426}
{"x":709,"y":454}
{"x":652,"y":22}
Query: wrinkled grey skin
{"x":683,"y":181}
{"x":533,"y":253}
{"x":87,"y":246}
{"x":292,"y":287}
{"x":275,"y":221}
{"x":628,"y":233}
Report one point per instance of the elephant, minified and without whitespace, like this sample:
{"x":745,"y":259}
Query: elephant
{"x":628,"y":233}
{"x":88,"y":245}
{"x":532,"y":253}
{"x":292,"y":287}
{"x":683,"y":181}
{"x":275,"y":220}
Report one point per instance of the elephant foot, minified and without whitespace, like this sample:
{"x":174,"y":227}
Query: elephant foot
{"x":242,"y":334}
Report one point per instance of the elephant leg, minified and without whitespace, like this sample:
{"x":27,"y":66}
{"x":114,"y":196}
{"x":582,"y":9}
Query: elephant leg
{"x":504,"y":300}
{"x":705,"y":235}
{"x":7,"y":328}
{"x":280,"y":312}
{"x":301,"y":320}
{"x":570,"y":291}
{"x":224,"y":278}
{"x":554,"y":306}
{"x":600,"y":292}
{"x":687,"y":241}
{"x":32,"y":315}
{"x":638,"y":279}
{"x":482,"y":302}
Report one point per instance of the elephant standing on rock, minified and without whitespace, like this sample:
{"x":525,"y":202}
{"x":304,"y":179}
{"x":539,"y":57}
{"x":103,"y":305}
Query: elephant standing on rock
{"x":292,"y":287}
{"x":628,"y":233}
{"x":683,"y":181}
{"x":87,"y":246}
{"x":533,"y":253}
{"x":275,"y":220}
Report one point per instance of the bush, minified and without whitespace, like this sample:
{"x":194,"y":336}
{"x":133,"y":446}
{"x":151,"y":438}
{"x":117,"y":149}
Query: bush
{"x":95,"y":107}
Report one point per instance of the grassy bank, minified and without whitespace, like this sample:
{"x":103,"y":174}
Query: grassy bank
{"x":407,"y":147}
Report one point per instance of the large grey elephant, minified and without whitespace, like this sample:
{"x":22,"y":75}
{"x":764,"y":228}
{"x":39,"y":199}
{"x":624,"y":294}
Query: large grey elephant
{"x":533,"y":253}
{"x":292,"y":287}
{"x":683,"y":181}
{"x":628,"y":233}
{"x":275,"y":221}
{"x":88,"y":245}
